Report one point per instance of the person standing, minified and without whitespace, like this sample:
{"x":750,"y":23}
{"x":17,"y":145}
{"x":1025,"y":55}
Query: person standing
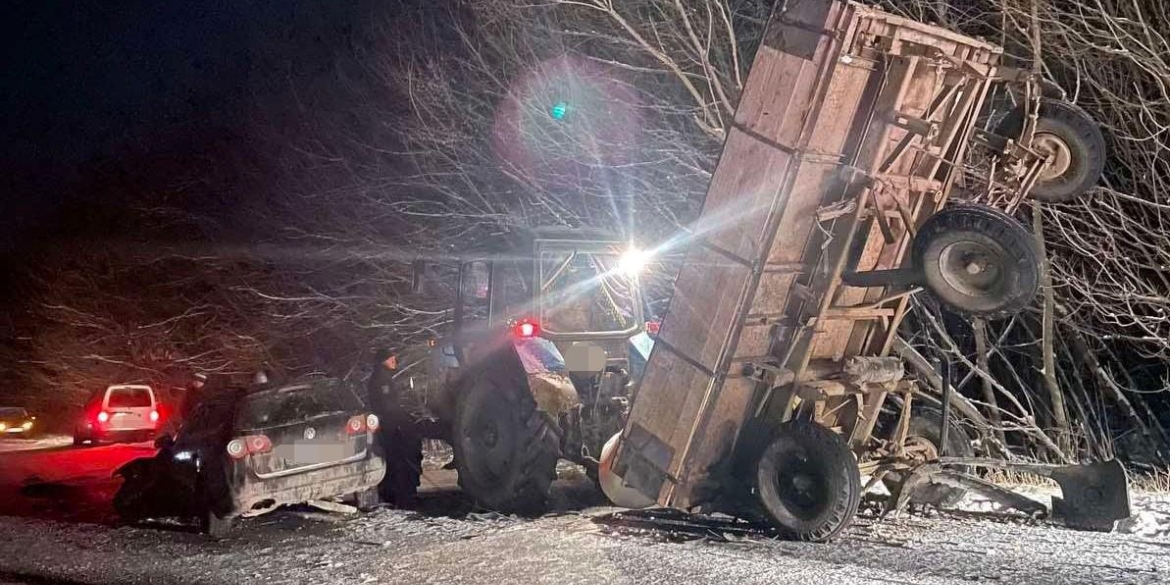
{"x":398,"y":440}
{"x":191,"y":395}
{"x":194,"y":392}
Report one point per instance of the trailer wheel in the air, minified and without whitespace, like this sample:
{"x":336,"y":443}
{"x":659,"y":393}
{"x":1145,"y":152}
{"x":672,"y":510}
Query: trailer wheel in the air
{"x":1074,"y":138}
{"x":978,"y":260}
{"x":807,"y":481}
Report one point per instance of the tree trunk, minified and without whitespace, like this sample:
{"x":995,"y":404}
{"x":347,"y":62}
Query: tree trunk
{"x":1055,"y":395}
{"x":980,"y":327}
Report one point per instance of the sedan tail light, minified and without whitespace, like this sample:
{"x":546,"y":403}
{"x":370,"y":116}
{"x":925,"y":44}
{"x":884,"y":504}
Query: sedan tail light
{"x":103,"y":416}
{"x":356,"y":425}
{"x":241,"y":447}
{"x":154,"y":416}
{"x":372,"y":422}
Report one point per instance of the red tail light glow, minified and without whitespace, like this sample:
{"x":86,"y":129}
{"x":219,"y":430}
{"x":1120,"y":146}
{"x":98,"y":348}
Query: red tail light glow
{"x":241,"y":447}
{"x":154,"y":416}
{"x":103,"y":416}
{"x":526,"y":329}
{"x":258,"y":444}
{"x":652,"y":327}
{"x":372,"y":422}
{"x":356,"y":425}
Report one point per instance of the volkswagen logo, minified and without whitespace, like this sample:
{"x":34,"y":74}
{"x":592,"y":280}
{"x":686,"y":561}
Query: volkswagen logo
{"x":310,"y":433}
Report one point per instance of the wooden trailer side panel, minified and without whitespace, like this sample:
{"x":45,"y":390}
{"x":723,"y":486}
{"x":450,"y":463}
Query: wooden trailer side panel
{"x":685,"y":386}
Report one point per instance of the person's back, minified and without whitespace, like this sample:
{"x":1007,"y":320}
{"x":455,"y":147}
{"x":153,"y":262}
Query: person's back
{"x":191,"y":395}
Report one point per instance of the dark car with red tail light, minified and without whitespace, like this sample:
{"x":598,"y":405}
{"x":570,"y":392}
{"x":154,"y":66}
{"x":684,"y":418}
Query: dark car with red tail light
{"x":243,"y":453}
{"x":120,"y":412}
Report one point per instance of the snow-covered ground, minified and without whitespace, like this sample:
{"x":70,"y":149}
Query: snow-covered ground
{"x":390,"y":546}
{"x":57,"y":528}
{"x":42,"y":442}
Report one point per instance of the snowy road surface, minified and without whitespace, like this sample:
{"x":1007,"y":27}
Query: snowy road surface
{"x":47,"y":540}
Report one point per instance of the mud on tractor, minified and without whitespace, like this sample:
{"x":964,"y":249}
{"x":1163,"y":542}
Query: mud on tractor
{"x":548,"y":332}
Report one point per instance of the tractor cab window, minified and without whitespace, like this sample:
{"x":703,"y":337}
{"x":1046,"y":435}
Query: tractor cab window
{"x":586,"y":292}
{"x":512,"y":290}
{"x":475,"y":286}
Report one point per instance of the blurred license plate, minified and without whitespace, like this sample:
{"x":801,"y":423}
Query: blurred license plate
{"x":320,"y":453}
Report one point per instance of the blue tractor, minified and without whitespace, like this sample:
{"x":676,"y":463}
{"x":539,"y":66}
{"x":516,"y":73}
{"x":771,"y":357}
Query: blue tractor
{"x":546,"y":341}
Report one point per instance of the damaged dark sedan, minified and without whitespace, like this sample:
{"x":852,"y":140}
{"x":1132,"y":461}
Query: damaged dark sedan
{"x":243,"y":453}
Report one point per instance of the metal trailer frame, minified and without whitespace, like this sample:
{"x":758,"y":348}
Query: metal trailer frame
{"x":852,"y":129}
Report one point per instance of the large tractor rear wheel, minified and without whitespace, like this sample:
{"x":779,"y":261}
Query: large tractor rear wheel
{"x":506,"y":450}
{"x":807,"y":481}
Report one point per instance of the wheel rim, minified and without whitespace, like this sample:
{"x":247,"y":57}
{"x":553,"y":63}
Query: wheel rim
{"x":1051,"y":144}
{"x":801,"y":487}
{"x":920,"y":448}
{"x":972,"y":268}
{"x":488,"y":441}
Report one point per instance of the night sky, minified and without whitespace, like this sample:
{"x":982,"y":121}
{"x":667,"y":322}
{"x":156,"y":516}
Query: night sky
{"x":105,"y":99}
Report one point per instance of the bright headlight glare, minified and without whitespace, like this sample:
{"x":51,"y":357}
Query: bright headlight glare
{"x":634,"y":261}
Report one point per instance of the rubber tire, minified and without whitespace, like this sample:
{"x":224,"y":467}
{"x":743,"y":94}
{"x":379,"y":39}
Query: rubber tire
{"x":1086,"y":144}
{"x":829,"y":456}
{"x":523,"y":487}
{"x":367,"y":499}
{"x":127,"y":500}
{"x":992,"y":228}
{"x":927,"y":423}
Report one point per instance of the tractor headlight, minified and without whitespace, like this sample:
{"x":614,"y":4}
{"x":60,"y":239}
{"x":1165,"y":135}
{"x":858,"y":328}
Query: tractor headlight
{"x":633,"y":262}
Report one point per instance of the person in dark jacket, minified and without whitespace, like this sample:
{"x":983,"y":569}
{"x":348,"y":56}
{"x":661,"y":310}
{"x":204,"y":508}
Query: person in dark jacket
{"x":191,"y":395}
{"x":399,"y":441}
{"x":194,"y":391}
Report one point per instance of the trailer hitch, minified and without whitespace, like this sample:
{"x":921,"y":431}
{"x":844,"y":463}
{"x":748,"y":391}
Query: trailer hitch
{"x":1094,"y":496}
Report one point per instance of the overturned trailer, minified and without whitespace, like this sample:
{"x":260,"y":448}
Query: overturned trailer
{"x":778,"y":378}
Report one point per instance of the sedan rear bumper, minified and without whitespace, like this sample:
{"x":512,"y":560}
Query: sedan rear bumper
{"x":258,"y":495}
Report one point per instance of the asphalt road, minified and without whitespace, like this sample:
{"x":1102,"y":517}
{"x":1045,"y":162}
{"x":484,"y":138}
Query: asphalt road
{"x":58,"y":528}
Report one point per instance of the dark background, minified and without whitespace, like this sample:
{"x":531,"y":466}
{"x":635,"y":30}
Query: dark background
{"x":107,"y":103}
{"x":141,"y":125}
